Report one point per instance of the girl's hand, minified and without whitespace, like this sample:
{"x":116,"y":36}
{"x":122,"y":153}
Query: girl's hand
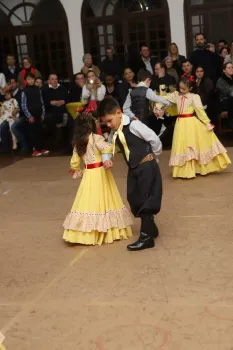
{"x":210,"y":126}
{"x":108,"y":164}
{"x":31,"y":120}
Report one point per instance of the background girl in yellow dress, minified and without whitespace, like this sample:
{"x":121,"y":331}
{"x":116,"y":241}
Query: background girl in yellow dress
{"x":98,"y":214}
{"x":195,"y":148}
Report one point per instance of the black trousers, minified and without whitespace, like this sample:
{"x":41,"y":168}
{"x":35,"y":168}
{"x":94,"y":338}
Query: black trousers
{"x":36,"y":134}
{"x":144,"y":194}
{"x":144,"y":189}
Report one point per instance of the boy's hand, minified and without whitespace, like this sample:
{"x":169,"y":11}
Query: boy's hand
{"x":42,"y":118}
{"x":108,"y":164}
{"x":31,"y":120}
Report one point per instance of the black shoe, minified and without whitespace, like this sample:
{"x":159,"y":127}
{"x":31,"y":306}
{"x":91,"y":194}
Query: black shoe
{"x":144,"y":242}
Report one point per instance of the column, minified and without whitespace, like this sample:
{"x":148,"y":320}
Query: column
{"x":73,"y":13}
{"x":177,"y":23}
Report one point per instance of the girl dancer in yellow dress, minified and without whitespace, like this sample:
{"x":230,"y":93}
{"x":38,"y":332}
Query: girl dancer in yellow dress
{"x":195,"y":148}
{"x":98,"y":214}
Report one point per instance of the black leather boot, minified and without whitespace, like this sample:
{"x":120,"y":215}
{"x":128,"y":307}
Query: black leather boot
{"x":144,"y":242}
{"x":148,"y":225}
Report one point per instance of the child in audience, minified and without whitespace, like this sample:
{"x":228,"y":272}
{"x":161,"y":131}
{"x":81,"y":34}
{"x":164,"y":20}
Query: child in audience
{"x":34,"y":110}
{"x":9,"y":113}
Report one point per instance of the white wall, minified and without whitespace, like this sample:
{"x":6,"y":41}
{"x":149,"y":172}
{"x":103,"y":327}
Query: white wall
{"x":73,"y":12}
{"x":176,"y":8}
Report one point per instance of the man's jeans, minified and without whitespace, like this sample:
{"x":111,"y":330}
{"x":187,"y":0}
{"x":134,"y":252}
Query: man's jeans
{"x":4,"y":130}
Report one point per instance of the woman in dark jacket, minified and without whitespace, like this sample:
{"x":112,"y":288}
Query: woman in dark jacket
{"x":204,"y":86}
{"x":225,"y":88}
{"x":205,"y":89}
{"x":128,"y":84}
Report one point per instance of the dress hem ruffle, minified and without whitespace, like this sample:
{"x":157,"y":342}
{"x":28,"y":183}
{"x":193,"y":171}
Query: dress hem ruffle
{"x":101,"y":222}
{"x":95,"y":237}
{"x":193,"y":154}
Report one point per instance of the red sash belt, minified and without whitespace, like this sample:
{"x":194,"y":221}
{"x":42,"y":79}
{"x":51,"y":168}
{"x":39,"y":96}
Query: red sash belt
{"x":93,"y":166}
{"x":185,"y":115}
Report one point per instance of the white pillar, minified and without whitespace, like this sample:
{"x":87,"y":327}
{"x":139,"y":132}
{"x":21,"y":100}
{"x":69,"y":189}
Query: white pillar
{"x":176,"y":8}
{"x":73,"y":13}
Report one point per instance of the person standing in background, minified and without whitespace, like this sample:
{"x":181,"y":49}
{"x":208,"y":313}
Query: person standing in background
{"x":12,"y":69}
{"x":88,"y":65}
{"x":27,"y":68}
{"x":177,"y":59}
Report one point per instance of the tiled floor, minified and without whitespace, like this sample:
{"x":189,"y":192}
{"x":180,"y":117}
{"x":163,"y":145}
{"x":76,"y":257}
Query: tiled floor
{"x":177,"y":296}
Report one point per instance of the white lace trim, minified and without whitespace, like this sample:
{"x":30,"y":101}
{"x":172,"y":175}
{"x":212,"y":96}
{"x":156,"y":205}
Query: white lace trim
{"x":87,"y":222}
{"x":193,"y":154}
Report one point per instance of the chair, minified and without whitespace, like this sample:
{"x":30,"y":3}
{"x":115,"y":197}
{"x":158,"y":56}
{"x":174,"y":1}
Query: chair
{"x":223,"y":116}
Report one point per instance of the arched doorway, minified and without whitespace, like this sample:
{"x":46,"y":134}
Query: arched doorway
{"x":31,"y":30}
{"x":123,"y":24}
{"x":212,"y":17}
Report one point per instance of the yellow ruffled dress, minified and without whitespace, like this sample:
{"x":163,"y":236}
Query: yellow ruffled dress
{"x":195,"y":148}
{"x":98,"y":214}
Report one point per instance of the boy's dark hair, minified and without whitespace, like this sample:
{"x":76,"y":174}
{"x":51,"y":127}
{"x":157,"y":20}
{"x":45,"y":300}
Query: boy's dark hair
{"x":108,"y":106}
{"x":143,"y":74}
{"x":29,"y":75}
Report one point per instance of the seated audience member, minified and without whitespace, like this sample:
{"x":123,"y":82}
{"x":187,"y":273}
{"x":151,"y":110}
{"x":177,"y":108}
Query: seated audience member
{"x":211,"y":47}
{"x":204,"y":86}
{"x":221,"y":43}
{"x":27,"y":68}
{"x":88,"y":65}
{"x":177,"y":59}
{"x":162,"y":80}
{"x":229,"y":58}
{"x":111,"y":86}
{"x":187,"y":69}
{"x":224,"y":52}
{"x":170,"y":70}
{"x":19,"y":126}
{"x":34,"y":110}
{"x":2,"y":86}
{"x":75,"y":92}
{"x":9,"y":113}
{"x":39,"y":82}
{"x":93,"y":91}
{"x":12,"y":69}
{"x":55,"y":98}
{"x":127,"y":85}
{"x":225,"y":88}
{"x":110,"y":65}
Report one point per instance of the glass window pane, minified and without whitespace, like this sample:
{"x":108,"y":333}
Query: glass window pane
{"x":100,"y":30}
{"x":101,"y":40}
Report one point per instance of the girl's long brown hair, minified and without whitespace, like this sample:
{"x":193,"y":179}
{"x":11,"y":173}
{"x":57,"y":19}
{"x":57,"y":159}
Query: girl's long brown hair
{"x":85,"y":125}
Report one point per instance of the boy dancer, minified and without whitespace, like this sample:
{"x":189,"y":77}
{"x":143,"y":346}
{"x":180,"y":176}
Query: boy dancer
{"x":140,"y":147}
{"x":137,"y":104}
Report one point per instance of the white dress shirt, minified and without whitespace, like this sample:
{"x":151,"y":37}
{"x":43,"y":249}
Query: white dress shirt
{"x":143,"y":132}
{"x":148,"y":65}
{"x":150,"y":95}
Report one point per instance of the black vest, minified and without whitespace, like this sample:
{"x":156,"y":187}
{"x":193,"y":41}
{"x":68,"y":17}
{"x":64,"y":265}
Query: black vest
{"x":138,"y":147}
{"x":139,"y":103}
{"x":34,"y":104}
